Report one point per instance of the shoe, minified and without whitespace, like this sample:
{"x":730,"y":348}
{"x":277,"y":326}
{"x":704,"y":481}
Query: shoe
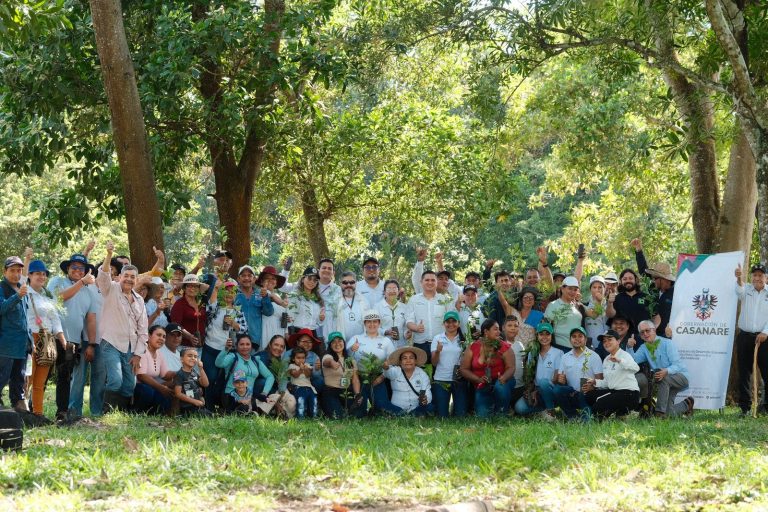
{"x":547,"y":416}
{"x":689,"y":403}
{"x":21,"y":406}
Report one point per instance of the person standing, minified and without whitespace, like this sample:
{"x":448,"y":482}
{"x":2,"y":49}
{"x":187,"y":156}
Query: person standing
{"x":753,"y":330}
{"x":426,"y":311}
{"x":15,"y":338}
{"x":123,"y":332}
{"x":76,"y":289}
{"x":352,"y":307}
{"x":254,"y":304}
{"x":371,"y":287}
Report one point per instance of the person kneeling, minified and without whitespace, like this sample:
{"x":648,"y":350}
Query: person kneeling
{"x":411,"y":393}
{"x":576,"y":368}
{"x":190,"y":384}
{"x":618,"y":392}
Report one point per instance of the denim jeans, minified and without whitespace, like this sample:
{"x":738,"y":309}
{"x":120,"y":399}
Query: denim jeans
{"x":546,"y":399}
{"x":337,"y":402}
{"x":571,"y":402}
{"x":117,"y":369}
{"x":148,"y":399}
{"x":380,"y":400}
{"x":442,"y":393}
{"x":12,"y":374}
{"x":80,"y":377}
{"x":306,"y":402}
{"x":215,"y":377}
{"x":494,"y":399}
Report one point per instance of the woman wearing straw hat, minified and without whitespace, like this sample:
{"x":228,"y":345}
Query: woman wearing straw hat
{"x":411,"y":393}
{"x":189,"y":312}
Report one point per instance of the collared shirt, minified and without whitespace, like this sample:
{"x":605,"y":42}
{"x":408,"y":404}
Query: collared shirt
{"x":77,"y":307}
{"x":380,"y":346}
{"x":371,"y":294}
{"x":331,"y":294}
{"x":44,"y":309}
{"x":450,"y":356}
{"x":548,"y":364}
{"x":124,"y":324}
{"x":754,"y":308}
{"x":253,"y":308}
{"x":471,"y":318}
{"x":429,"y":312}
{"x":191,"y":318}
{"x":155,"y":367}
{"x":619,"y":375}
{"x":402,"y":394}
{"x":633,"y":307}
{"x":349,"y":315}
{"x":584,"y":366}
{"x":390,"y":317}
{"x":453,"y":290}
{"x":664,"y":357}
{"x":14,"y":334}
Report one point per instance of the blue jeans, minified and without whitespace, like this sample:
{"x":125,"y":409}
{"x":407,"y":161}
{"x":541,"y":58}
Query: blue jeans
{"x":306,"y":402}
{"x":441,"y":398}
{"x":148,"y":399}
{"x":215,"y":377}
{"x":571,"y":401}
{"x":380,"y":400}
{"x":77,"y":388}
{"x":117,"y":369}
{"x":12,"y":374}
{"x":422,"y":410}
{"x":494,"y":400}
{"x":546,"y":399}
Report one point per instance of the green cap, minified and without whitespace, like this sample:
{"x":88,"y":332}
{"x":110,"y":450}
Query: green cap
{"x":579,"y":329}
{"x":334,"y":335}
{"x":450,"y":314}
{"x":545,"y":326}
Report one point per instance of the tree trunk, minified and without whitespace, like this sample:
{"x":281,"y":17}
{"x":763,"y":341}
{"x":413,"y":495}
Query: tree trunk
{"x":235,"y":179}
{"x":737,"y":216}
{"x":318,"y":242}
{"x":142,"y":208}
{"x":695,"y":105}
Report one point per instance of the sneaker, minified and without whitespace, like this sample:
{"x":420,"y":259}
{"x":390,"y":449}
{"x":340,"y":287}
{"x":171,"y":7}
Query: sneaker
{"x":689,"y":403}
{"x":547,"y":416}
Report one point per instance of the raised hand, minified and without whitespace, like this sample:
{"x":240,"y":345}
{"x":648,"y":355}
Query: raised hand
{"x":88,"y":278}
{"x":636,"y":244}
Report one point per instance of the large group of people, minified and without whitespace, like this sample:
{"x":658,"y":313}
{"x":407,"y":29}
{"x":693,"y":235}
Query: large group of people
{"x":241,"y":341}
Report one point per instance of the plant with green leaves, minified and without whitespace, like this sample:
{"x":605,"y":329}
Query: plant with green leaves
{"x":279,"y":368}
{"x":651,"y":295}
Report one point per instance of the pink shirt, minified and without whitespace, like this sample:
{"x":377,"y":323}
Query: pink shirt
{"x":155,"y":367}
{"x":123,"y":324}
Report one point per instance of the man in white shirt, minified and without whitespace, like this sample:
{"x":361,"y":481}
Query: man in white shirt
{"x":351,"y":307}
{"x":576,"y":367}
{"x":371,"y":286}
{"x":426,"y":311}
{"x":753,"y":329}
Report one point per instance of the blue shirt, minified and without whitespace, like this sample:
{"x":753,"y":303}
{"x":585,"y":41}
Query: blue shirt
{"x":77,"y":307}
{"x":666,"y":356}
{"x":252,"y":308}
{"x":14,"y":333}
{"x":253,"y":368}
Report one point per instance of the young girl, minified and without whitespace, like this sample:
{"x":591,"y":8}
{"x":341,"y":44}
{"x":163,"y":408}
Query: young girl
{"x":305,"y":393}
{"x":189,"y":384}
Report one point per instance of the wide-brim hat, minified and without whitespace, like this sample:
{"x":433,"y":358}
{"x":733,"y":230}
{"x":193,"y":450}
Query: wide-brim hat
{"x":293,"y":339}
{"x":38,"y":266}
{"x":421,"y":356}
{"x":610,"y":333}
{"x":77,"y":258}
{"x":222,"y":252}
{"x":269,"y":270}
{"x":192,"y":279}
{"x":152,"y":284}
{"x":611,"y":278}
{"x":662,"y":270}
{"x":619,"y":316}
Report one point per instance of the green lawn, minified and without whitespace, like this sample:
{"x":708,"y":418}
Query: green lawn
{"x":712,"y":461}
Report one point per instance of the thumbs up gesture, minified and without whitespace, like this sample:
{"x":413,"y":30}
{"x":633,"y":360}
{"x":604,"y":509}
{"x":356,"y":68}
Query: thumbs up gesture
{"x":88,"y":278}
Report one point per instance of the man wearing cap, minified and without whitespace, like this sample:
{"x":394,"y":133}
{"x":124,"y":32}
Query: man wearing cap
{"x":426,"y":311}
{"x":753,"y":329}
{"x":123,"y":332}
{"x":663,"y":284}
{"x":170,"y":350}
{"x":630,"y":302}
{"x":576,"y":367}
{"x":352,"y":306}
{"x":253,"y":305}
{"x":473,"y":278}
{"x":15,"y":338}
{"x":471,"y":315}
{"x":563,"y":313}
{"x":76,"y":289}
{"x":371,"y":286}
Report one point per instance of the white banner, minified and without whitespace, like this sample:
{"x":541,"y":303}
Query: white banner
{"x":704,"y":322}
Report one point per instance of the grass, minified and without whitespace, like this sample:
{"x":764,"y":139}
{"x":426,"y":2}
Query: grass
{"x":711,"y":462}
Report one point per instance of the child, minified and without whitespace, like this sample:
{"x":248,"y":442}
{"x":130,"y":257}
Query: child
{"x":306,"y":401}
{"x":242,"y":394}
{"x":189,"y":384}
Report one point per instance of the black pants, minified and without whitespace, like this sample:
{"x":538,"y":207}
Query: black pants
{"x":65,"y":364}
{"x":745,"y":353}
{"x":605,"y":402}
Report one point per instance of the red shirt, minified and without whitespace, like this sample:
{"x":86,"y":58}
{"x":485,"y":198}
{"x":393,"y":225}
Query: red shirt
{"x":191,"y":319}
{"x":497,"y":362}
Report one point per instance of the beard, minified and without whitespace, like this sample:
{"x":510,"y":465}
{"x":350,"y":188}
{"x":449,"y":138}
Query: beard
{"x":629,"y":287}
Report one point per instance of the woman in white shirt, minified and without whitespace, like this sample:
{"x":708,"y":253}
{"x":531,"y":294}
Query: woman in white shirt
{"x":305,"y":306}
{"x":411,"y":394}
{"x":393,"y":314}
{"x":41,"y":314}
{"x":617,"y":392}
{"x":371,"y":342}
{"x":447,"y":348}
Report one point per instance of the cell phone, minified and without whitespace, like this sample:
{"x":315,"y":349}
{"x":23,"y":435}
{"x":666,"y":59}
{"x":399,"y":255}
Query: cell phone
{"x":580,"y":252}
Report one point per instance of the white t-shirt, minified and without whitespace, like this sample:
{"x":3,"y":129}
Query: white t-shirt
{"x":564,"y":317}
{"x":450,"y":356}
{"x":402,"y":394}
{"x":380,"y":346}
{"x":372,"y":295}
{"x":548,"y":363}
{"x":518,"y":348}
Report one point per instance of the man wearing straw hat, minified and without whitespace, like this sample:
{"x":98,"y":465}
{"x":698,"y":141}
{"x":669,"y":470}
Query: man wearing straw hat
{"x":753,"y":331}
{"x":663,"y":281}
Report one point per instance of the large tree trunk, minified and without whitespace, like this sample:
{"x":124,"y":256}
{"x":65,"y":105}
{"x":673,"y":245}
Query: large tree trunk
{"x":695,"y":105}
{"x":142,"y":208}
{"x":737,"y":215}
{"x":314,"y":219}
{"x":235,"y":179}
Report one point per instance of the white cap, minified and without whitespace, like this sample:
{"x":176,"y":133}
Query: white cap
{"x":247,"y":267}
{"x":596,"y":279}
{"x":611,"y":277}
{"x":570,"y":281}
{"x":371,"y":314}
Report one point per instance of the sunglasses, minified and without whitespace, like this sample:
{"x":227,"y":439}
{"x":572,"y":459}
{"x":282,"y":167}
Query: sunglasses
{"x":347,"y":283}
{"x":77,"y":267}
{"x":371,"y":267}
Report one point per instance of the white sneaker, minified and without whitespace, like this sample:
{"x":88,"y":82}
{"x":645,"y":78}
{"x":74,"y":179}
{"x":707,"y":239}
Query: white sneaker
{"x":547,"y":416}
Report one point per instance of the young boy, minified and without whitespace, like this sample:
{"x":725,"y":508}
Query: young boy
{"x":242,"y":394}
{"x":189,"y":384}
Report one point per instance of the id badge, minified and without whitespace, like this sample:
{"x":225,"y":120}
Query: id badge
{"x":190,"y":393}
{"x":345,"y":382}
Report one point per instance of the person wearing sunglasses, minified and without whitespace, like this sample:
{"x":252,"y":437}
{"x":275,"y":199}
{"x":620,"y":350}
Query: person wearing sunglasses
{"x":371,"y":286}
